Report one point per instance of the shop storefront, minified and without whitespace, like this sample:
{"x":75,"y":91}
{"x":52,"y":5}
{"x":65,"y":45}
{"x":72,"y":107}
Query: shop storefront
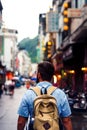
{"x":75,"y":52}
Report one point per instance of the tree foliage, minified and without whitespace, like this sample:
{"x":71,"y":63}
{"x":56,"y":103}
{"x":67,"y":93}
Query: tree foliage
{"x":30,"y":46}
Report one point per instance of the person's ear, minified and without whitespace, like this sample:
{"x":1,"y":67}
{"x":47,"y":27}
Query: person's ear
{"x":38,"y":75}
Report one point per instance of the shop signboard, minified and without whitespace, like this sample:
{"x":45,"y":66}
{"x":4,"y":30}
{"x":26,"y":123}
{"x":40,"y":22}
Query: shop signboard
{"x":74,"y":13}
{"x":52,"y":21}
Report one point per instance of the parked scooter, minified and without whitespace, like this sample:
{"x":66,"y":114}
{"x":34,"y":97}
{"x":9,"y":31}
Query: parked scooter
{"x":71,"y":95}
{"x":80,"y":102}
{"x":77,"y":100}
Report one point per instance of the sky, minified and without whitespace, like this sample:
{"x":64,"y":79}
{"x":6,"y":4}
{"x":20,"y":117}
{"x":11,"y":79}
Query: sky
{"x":23,"y":15}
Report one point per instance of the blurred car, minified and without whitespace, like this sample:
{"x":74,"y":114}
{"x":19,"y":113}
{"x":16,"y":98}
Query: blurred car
{"x":17,"y":82}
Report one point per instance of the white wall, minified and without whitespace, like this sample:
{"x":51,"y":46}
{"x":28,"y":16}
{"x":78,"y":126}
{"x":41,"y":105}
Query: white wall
{"x":7,"y":52}
{"x":24,"y":63}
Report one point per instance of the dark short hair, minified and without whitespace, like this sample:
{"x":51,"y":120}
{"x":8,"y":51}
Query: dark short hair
{"x":46,"y":70}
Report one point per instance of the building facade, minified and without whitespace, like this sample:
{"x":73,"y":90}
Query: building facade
{"x":70,"y":54}
{"x":9,"y":47}
{"x":23,"y":63}
{"x":72,"y":42}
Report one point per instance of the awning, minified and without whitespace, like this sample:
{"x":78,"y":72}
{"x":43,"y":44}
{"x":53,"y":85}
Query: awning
{"x":81,"y":33}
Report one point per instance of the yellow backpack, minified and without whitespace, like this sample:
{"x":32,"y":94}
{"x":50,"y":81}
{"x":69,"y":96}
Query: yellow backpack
{"x":46,"y":115}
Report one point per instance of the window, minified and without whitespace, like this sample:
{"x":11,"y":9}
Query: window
{"x":78,"y":3}
{"x":81,"y":3}
{"x":74,"y":3}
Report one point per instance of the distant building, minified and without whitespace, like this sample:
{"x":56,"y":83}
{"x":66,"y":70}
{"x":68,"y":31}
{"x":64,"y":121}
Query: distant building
{"x":24,"y":66}
{"x":8,"y":45}
{"x":8,"y":49}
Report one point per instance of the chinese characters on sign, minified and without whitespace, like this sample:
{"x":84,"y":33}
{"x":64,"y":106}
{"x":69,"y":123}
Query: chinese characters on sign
{"x":52,"y":22}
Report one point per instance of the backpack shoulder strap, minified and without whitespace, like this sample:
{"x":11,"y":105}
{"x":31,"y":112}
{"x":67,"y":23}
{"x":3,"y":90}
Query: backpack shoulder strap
{"x":36,"y":90}
{"x":51,"y":89}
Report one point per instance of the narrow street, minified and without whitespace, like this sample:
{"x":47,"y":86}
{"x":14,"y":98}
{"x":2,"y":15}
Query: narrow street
{"x":8,"y":112}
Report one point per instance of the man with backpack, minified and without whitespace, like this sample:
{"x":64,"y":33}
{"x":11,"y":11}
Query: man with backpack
{"x":44,"y":106}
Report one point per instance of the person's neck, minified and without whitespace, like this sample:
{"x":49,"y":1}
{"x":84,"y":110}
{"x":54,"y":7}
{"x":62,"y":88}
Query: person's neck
{"x":43,"y":81}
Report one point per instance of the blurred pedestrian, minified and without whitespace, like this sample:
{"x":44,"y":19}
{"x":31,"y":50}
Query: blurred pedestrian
{"x":27,"y":84}
{"x":11,"y":88}
{"x":6,"y":87}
